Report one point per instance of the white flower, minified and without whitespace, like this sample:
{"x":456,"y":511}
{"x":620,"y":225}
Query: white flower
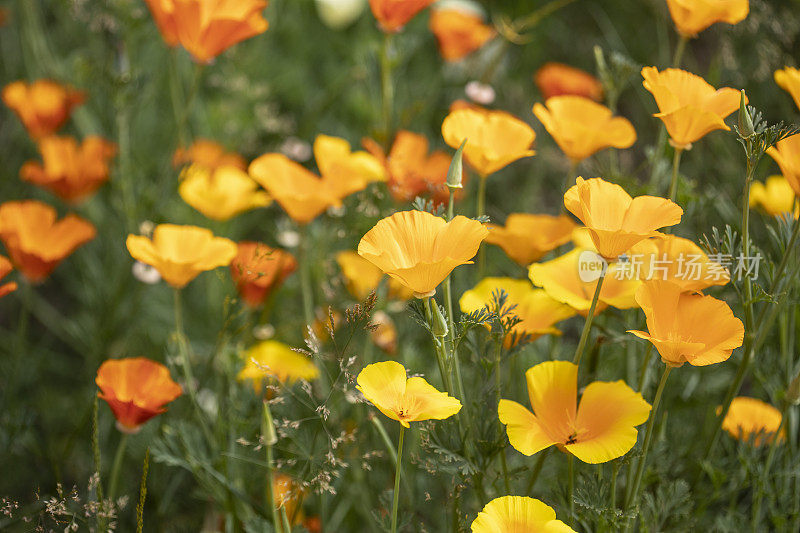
{"x":480,"y":93}
{"x":145,"y":273}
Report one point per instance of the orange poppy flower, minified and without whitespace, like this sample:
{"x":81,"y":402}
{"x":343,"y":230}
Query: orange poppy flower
{"x":494,"y":138}
{"x":557,"y":79}
{"x":36,"y":242}
{"x":749,"y":418}
{"x":392,"y":15}
{"x":419,"y":249}
{"x":136,"y":389}
{"x":70,"y":171}
{"x":43,"y":106}
{"x":458,"y":32}
{"x":776,"y":197}
{"x":5,"y":15}
{"x":688,"y":106}
{"x":527,"y":238}
{"x":601,"y":428}
{"x":257,"y":270}
{"x":582,"y":127}
{"x":5,"y":269}
{"x":508,"y":514}
{"x":206,"y":28}
{"x":677,"y":260}
{"x":344,"y":171}
{"x":362,"y":277}
{"x":687,"y":327}
{"x":384,"y":336}
{"x":615,"y":220}
{"x":787,"y":154}
{"x":788,"y":79}
{"x":180,"y":253}
{"x":209,"y":154}
{"x":288,"y":493}
{"x":221,"y":193}
{"x":693,"y":16}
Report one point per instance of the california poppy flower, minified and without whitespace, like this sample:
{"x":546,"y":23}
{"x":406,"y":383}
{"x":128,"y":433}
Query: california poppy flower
{"x":688,"y":106}
{"x":344,"y":171}
{"x":459,"y":32}
{"x":601,"y":428}
{"x":257,"y":270}
{"x":749,"y":418}
{"x":276,"y":360}
{"x":43,"y":106}
{"x":5,"y":269}
{"x":788,"y":79}
{"x":136,"y":389}
{"x":362,"y":277}
{"x":508,"y":514}
{"x":494,"y":138}
{"x":527,"y":238}
{"x":776,"y":197}
{"x":180,"y":253}
{"x":687,"y":327}
{"x":288,"y":493}
{"x":206,"y":28}
{"x":71,"y":171}
{"x":222,"y":193}
{"x":36,"y":241}
{"x":582,"y":127}
{"x":209,"y":154}
{"x":557,"y":79}
{"x":404,"y":399}
{"x":615,"y":220}
{"x":693,"y":16}
{"x":419,"y":249}
{"x":675,"y":259}
{"x":787,"y":154}
{"x":384,"y":335}
{"x":392,"y":15}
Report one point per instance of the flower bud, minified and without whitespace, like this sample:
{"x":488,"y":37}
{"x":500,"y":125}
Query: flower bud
{"x":268,"y":427}
{"x":746,"y":129}
{"x":455,"y":173}
{"x":439,"y":321}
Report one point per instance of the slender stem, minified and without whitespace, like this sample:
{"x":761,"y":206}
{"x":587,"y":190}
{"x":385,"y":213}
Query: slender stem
{"x":305,"y":276}
{"x":588,"y":324}
{"x":481,"y":211}
{"x":269,"y":497}
{"x":534,"y":18}
{"x":115,"y":468}
{"x":614,"y":473}
{"x":176,"y":94}
{"x":765,"y":472}
{"x":441,"y":355}
{"x":497,"y":384}
{"x":676,"y":163}
{"x":537,"y":469}
{"x":571,"y":485}
{"x":648,"y":355}
{"x":285,"y":525}
{"x":384,"y":437}
{"x":398,"y":470}
{"x":387,"y":88}
{"x":680,"y":48}
{"x":142,"y":493}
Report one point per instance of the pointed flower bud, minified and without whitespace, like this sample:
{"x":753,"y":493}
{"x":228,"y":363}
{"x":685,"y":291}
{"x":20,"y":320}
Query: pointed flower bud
{"x":456,"y":171}
{"x":746,"y":128}
{"x":439,"y":321}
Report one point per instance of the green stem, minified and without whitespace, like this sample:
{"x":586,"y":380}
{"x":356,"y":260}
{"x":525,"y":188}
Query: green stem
{"x":614,"y":473}
{"x":268,"y":436}
{"x":765,"y":472}
{"x":384,"y":437}
{"x":680,"y":48}
{"x":115,"y":468}
{"x":142,"y":493}
{"x":588,"y":324}
{"x":534,"y":18}
{"x":676,"y":163}
{"x":571,"y":485}
{"x":648,"y":355}
{"x":387,"y":88}
{"x":441,"y":355}
{"x":481,"y":211}
{"x":305,"y":276}
{"x":537,"y":469}
{"x":398,"y":470}
{"x":497,"y":384}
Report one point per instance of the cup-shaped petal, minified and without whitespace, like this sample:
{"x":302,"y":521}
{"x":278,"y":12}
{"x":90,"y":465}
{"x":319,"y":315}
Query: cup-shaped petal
{"x":750,"y":418}
{"x":459,"y":32}
{"x":527,"y":238}
{"x":509,"y":514}
{"x":42,"y":106}
{"x":392,"y":15}
{"x":221,"y":193}
{"x":693,"y":16}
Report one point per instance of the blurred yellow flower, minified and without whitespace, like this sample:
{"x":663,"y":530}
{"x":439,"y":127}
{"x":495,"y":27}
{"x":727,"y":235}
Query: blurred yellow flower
{"x":788,"y":79}
{"x":512,"y":514}
{"x":494,"y":138}
{"x":557,"y":79}
{"x":221,"y":193}
{"x":384,"y":336}
{"x":209,"y":154}
{"x":615,"y":220}
{"x":180,"y":253}
{"x":392,"y":15}
{"x":404,"y":399}
{"x":776,"y":197}
{"x":343,"y":170}
{"x":675,"y":259}
{"x":459,"y":32}
{"x":687,"y":327}
{"x":688,"y":106}
{"x":601,"y":428}
{"x":276,"y":360}
{"x":42,"y":106}
{"x":582,"y":127}
{"x":362,"y":277}
{"x":787,"y":154}
{"x":749,"y":418}
{"x":527,"y":238}
{"x":693,"y":16}
{"x":419,"y":249}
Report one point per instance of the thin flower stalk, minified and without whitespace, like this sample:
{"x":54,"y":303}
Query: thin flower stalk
{"x":587,"y":326}
{"x":117,"y":465}
{"x":759,"y":497}
{"x":397,"y":473}
{"x":536,"y":470}
{"x":269,"y":438}
{"x":676,"y":163}
{"x":305,"y":276}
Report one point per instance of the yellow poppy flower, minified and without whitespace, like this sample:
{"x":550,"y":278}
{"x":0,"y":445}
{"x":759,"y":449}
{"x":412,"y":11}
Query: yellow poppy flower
{"x":614,"y":219}
{"x":693,"y":16}
{"x":561,"y":279}
{"x":494,"y":138}
{"x":776,"y":197}
{"x":209,"y":154}
{"x":582,"y":127}
{"x":688,"y":106}
{"x":508,"y":514}
{"x":601,"y":428}
{"x":749,"y":417}
{"x":527,"y":238}
{"x":788,"y":79}
{"x":343,"y":170}
{"x":459,"y":33}
{"x":537,"y":311}
{"x":787,"y":154}
{"x":404,"y":399}
{"x":419,"y":249}
{"x":687,"y":327}
{"x":274,"y":359}
{"x":362,"y":277}
{"x":180,"y":253}
{"x":557,"y":79}
{"x":676,"y":260}
{"x":221,"y":194}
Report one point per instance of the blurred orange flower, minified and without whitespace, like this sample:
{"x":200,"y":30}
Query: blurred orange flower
{"x":221,"y":193}
{"x":392,"y":15}
{"x":687,"y":327}
{"x":43,"y":106}
{"x":557,"y":79}
{"x":384,"y":336}
{"x":288,"y":493}
{"x":36,"y":242}
{"x":787,"y":154}
{"x":788,"y":79}
{"x":362,"y":277}
{"x":582,"y":127}
{"x":136,"y":389}
{"x":70,"y":171}
{"x":257,"y":270}
{"x":688,"y":106}
{"x":209,"y":154}
{"x":693,"y":16}
{"x":419,"y":249}
{"x":5,"y":269}
{"x":206,"y":28}
{"x":749,"y":418}
{"x":677,"y":260}
{"x":601,"y":428}
{"x":180,"y":253}
{"x":494,"y":138}
{"x":776,"y":197}
{"x":459,"y":32}
{"x":615,"y":220}
{"x":508,"y":514}
{"x":527,"y":238}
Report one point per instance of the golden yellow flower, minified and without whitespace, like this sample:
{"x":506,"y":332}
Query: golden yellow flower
{"x":527,"y":238}
{"x":776,"y":197}
{"x":601,"y":428}
{"x":494,"y":138}
{"x":209,"y":154}
{"x":582,"y":127}
{"x":362,"y":277}
{"x":419,"y":249}
{"x":459,"y":32}
{"x":688,"y":106}
{"x":675,"y":259}
{"x":276,"y":360}
{"x":392,"y":15}
{"x":42,"y":106}
{"x":787,"y":154}
{"x":788,"y":79}
{"x":180,"y":253}
{"x":557,"y":79}
{"x":518,"y":514}
{"x":343,"y":170}
{"x":404,"y":399}
{"x":693,"y":16}
{"x":222,"y":193}
{"x":749,"y":418}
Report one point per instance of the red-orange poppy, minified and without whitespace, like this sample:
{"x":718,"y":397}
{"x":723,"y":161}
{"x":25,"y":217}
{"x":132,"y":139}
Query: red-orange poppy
{"x":257,"y":270}
{"x":43,"y":106}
